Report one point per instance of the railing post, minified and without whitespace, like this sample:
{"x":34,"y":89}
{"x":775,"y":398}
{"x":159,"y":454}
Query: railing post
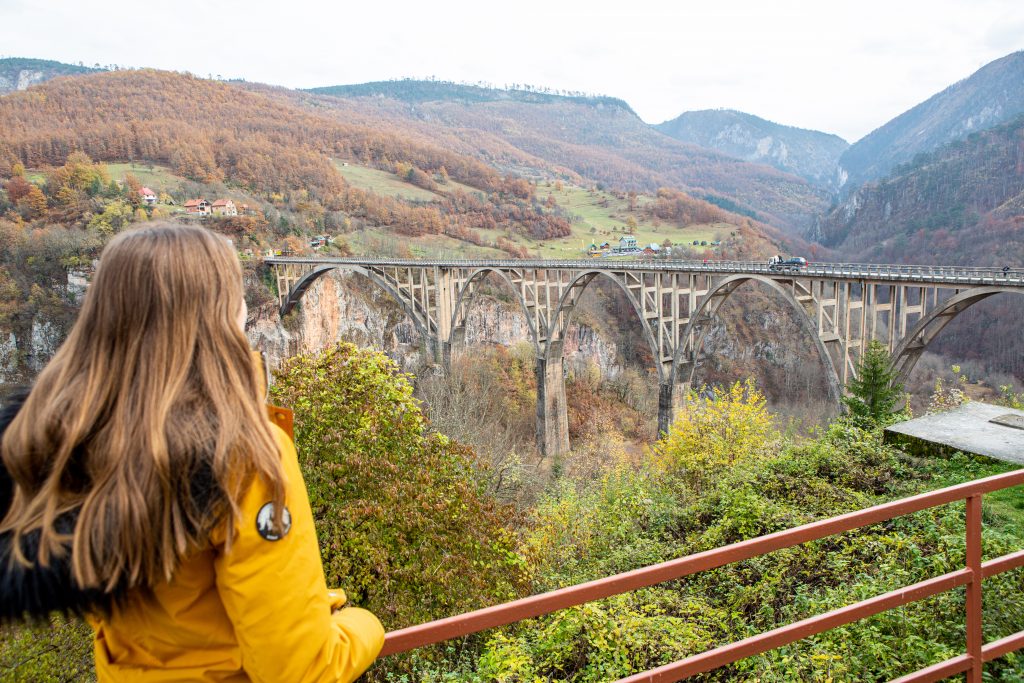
{"x":974,"y":632}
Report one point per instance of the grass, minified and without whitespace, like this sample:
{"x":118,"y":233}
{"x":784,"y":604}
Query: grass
{"x":388,"y":184}
{"x":381,"y":242}
{"x":599,"y":216}
{"x":1005,"y":506}
{"x":596,"y":216}
{"x":383,"y":183}
{"x":154,"y":176}
{"x":58,"y":651}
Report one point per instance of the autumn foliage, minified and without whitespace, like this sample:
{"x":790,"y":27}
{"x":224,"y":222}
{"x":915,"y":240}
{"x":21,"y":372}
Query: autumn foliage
{"x":404,"y":521}
{"x":212,"y":132}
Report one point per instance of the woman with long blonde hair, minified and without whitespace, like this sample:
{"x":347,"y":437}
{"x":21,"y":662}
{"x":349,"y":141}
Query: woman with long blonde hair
{"x":145,"y":486}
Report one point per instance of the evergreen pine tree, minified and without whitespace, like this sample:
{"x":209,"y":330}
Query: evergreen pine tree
{"x":875,"y":393}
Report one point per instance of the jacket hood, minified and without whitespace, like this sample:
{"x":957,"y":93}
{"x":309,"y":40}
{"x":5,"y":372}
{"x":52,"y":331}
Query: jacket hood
{"x":34,"y":592}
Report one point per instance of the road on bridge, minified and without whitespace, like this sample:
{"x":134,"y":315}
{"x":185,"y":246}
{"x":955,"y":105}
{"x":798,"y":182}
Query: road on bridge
{"x":908,"y":274}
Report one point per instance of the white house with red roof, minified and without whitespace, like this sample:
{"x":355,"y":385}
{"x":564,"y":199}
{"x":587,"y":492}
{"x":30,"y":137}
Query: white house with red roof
{"x":199,"y":207}
{"x":147,"y":195}
{"x":224,"y":207}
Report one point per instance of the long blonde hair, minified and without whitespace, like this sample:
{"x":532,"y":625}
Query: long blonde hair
{"x":148,"y":420}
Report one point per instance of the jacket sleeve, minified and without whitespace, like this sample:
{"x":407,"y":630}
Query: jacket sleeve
{"x":275,"y":594}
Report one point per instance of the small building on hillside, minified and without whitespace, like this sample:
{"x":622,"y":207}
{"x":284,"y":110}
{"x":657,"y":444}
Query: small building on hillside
{"x":199,"y":207}
{"x":224,"y":207}
{"x":148,"y":196}
{"x":627,"y":243}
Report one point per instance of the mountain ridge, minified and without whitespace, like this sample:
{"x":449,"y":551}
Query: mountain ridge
{"x":962,"y":203}
{"x":990,"y":96}
{"x":418,"y":91}
{"x":810,"y":154}
{"x":595,"y":138}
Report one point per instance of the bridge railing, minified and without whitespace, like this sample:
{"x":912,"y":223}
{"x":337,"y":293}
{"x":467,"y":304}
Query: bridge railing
{"x":924,"y":273}
{"x":971,"y":575}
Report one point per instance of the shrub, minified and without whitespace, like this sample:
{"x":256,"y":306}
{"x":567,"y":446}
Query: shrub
{"x":60,"y":651}
{"x":404,"y":521}
{"x":715,"y":430}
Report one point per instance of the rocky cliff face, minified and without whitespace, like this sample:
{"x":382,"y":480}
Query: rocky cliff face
{"x":22,"y":359}
{"x":19,"y":74}
{"x":338,"y":308}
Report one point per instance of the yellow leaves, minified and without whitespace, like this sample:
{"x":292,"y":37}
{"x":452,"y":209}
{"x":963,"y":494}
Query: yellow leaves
{"x":717,"y":429}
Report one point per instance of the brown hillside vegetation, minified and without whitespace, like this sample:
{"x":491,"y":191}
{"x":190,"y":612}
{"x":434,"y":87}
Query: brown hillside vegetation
{"x":278,"y":146}
{"x":382,"y":114}
{"x":210,"y":132}
{"x":204,"y":130}
{"x":608,"y":144}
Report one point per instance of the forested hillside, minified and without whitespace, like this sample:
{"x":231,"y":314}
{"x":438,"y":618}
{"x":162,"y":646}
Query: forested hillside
{"x":598,"y":138}
{"x":282,"y":149}
{"x":810,"y":154}
{"x":992,"y":95}
{"x":211,"y":132}
{"x":411,"y":90}
{"x":961,"y":204}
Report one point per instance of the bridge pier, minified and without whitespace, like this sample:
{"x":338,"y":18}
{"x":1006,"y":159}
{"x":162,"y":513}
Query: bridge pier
{"x":670,"y":395}
{"x":552,"y":418}
{"x":441,"y":351}
{"x":666,"y":406}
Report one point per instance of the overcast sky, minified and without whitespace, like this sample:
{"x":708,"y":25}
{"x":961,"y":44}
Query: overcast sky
{"x":840,"y":67}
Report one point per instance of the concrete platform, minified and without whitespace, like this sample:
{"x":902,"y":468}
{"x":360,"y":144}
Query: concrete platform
{"x":979,"y":428}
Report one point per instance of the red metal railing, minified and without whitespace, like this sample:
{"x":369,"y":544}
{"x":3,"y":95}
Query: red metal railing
{"x":971,"y":576}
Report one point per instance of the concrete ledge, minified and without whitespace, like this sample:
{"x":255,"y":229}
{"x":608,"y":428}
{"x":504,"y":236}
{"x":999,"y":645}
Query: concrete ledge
{"x":969,"y":429}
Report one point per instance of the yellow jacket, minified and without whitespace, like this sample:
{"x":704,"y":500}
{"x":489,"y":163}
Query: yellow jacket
{"x":259,"y":612}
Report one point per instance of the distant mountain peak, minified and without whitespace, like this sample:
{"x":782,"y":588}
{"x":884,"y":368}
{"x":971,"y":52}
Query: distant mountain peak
{"x":992,"y":95}
{"x":810,"y":154}
{"x":417,"y":91}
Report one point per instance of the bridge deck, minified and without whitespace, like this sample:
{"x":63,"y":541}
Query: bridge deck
{"x":950,"y":276}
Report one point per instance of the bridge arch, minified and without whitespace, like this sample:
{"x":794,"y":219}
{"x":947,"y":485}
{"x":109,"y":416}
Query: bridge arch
{"x":467,"y":294}
{"x":562,"y":315}
{"x":307,"y":280}
{"x":696,"y":329}
{"x":910,"y":348}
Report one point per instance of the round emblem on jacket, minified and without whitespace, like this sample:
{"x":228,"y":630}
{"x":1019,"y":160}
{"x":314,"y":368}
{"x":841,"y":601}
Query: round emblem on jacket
{"x":265,"y":522}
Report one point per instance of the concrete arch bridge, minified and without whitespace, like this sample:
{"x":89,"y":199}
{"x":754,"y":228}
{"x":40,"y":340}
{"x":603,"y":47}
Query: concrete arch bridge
{"x":842,"y":307}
